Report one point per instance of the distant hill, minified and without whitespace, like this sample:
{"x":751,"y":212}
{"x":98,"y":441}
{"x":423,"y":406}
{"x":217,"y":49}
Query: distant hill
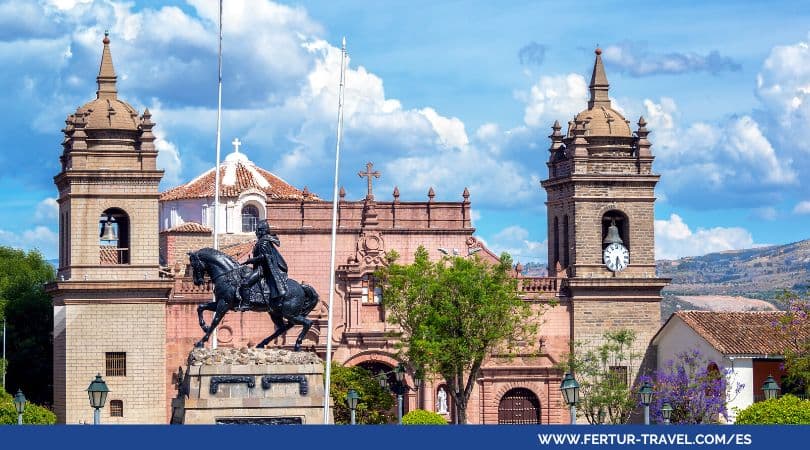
{"x":738,"y":280}
{"x":535,"y":269}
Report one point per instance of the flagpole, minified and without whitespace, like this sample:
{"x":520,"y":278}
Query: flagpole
{"x":219,"y":139}
{"x":327,"y":386}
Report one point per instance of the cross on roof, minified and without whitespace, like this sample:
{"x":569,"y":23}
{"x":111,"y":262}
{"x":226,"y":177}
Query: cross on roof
{"x":236,"y":143}
{"x":368,"y":173}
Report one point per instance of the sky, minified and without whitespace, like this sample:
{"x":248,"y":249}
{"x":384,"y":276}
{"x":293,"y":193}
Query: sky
{"x":446,"y":95}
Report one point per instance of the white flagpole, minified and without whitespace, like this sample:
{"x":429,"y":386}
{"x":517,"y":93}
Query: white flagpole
{"x":334,"y":238}
{"x":219,"y":138}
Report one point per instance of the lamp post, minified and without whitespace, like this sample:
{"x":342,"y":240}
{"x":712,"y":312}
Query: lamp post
{"x":19,"y":405}
{"x":97,"y":392}
{"x":646,"y":394}
{"x":666,"y":412}
{"x":351,"y":401}
{"x":770,"y":388}
{"x":570,"y":392}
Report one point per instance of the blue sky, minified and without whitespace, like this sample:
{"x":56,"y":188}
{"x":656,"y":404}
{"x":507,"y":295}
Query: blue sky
{"x":442,"y":94}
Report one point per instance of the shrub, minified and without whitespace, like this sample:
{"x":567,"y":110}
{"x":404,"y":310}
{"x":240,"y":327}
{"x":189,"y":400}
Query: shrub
{"x":786,"y":410}
{"x":34,"y":414}
{"x":422,"y":417}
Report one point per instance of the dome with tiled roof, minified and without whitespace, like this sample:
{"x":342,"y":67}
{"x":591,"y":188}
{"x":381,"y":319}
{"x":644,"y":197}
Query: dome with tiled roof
{"x":237,"y":174}
{"x":601,"y":118}
{"x":107,"y":111}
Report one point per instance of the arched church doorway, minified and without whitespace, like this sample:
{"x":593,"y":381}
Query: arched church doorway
{"x":519,"y":406}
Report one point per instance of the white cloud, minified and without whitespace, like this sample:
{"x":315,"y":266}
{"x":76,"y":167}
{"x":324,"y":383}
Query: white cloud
{"x":40,"y":237}
{"x":553,"y":98}
{"x":634,"y":59}
{"x":515,"y":240}
{"x":733,"y":160}
{"x":47,"y":210}
{"x":802,"y":207}
{"x":674,"y":239}
{"x":168,"y":159}
{"x":768,"y":213}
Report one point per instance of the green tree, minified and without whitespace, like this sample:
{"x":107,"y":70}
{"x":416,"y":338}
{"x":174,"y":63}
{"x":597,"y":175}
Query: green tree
{"x":785,"y":410}
{"x":606,"y":395}
{"x":453,"y":313}
{"x":375,"y":403}
{"x":29,"y":315}
{"x":793,"y":329}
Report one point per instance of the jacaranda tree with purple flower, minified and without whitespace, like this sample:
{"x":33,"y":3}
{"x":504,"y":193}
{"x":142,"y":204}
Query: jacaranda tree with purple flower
{"x":696,"y":388}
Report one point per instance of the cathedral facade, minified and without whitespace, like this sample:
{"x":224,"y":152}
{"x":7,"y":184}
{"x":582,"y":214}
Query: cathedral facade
{"x":125,"y":305}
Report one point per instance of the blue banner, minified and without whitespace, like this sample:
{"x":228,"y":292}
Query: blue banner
{"x":391,"y":437}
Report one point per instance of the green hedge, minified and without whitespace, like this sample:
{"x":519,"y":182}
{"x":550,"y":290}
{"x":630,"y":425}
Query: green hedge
{"x":422,"y":417}
{"x":786,"y":410}
{"x":34,"y":414}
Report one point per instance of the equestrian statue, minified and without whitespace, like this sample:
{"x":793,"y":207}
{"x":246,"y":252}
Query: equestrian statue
{"x":265,"y":288}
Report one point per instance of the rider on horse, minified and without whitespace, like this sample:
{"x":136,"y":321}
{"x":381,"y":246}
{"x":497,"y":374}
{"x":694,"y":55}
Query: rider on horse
{"x":268,"y":264}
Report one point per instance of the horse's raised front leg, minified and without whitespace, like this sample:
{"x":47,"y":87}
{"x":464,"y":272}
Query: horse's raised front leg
{"x":221,"y":309}
{"x":210,"y":306}
{"x":281,"y":327}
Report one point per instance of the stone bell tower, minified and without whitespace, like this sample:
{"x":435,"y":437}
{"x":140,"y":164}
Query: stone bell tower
{"x":109,"y":298}
{"x":600,"y":220}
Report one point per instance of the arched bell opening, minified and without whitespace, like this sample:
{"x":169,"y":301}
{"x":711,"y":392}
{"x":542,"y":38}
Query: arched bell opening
{"x":615,"y":228}
{"x":114,"y":237}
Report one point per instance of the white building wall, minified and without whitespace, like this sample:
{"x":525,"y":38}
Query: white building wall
{"x":678,"y":337}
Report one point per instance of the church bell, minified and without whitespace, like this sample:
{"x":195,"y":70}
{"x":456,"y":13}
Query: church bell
{"x":107,"y":232}
{"x":613,"y":234}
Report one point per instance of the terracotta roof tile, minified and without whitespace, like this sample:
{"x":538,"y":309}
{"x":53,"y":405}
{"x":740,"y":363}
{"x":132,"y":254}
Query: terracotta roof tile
{"x":738,"y":333}
{"x":189,"y":227}
{"x":237,"y":175}
{"x":241,"y":251}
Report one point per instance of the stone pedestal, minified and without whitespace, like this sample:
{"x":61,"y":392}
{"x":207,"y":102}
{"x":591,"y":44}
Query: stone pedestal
{"x":251,"y":386}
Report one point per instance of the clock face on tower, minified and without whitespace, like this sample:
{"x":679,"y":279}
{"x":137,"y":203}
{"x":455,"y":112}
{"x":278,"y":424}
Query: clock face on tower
{"x":616,"y":257}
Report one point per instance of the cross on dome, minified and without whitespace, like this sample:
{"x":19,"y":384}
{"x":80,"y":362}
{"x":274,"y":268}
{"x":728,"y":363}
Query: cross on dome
{"x":236,"y":143}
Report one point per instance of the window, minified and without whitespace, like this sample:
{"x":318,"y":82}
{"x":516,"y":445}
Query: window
{"x":116,"y":408}
{"x":116,"y":363}
{"x":618,"y":375}
{"x":204,"y":215}
{"x":565,"y":241}
{"x":372,"y":292}
{"x":250,"y":218}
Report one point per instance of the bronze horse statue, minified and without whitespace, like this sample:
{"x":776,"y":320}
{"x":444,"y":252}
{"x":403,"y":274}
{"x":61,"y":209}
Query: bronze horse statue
{"x":227,"y":275}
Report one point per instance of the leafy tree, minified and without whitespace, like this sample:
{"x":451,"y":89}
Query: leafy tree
{"x":33,"y":414}
{"x":793,"y":328}
{"x":422,"y":417}
{"x":452,"y":314}
{"x":695,"y":388}
{"x":375,"y":403}
{"x":29,"y":315}
{"x":785,"y":410}
{"x":605,"y":393}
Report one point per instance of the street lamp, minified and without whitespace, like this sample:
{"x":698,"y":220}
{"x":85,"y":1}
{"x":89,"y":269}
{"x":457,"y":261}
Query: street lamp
{"x":666,"y":412}
{"x":19,"y":405}
{"x":570,"y":392}
{"x":646,"y":394}
{"x":351,"y":401}
{"x":97,"y":392}
{"x":770,"y":388}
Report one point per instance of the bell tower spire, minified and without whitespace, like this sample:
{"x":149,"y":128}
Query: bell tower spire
{"x":106,"y":79}
{"x":599,"y":83}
